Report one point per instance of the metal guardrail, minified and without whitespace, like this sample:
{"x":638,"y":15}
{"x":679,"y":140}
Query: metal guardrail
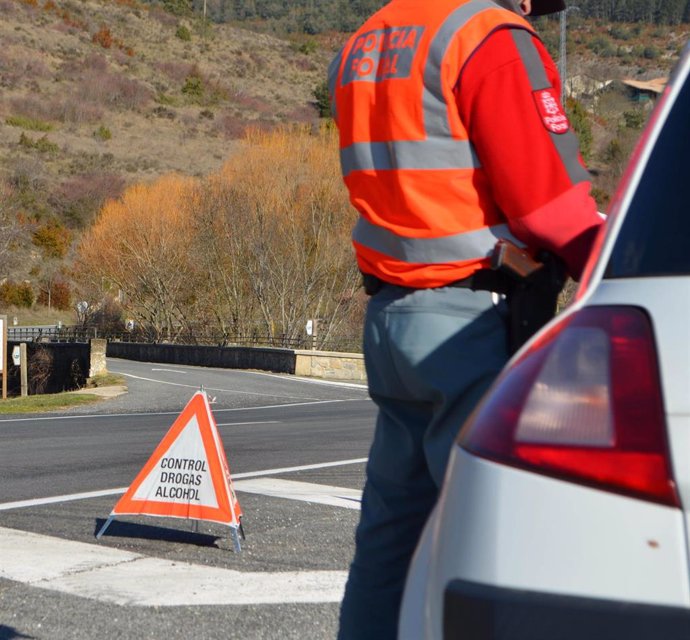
{"x":54,"y":333}
{"x":51,"y":333}
{"x":340,"y":343}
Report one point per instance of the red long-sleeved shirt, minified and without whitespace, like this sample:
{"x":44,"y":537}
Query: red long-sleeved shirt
{"x":509,"y":130}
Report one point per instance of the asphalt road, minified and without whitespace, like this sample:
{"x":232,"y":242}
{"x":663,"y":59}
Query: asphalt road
{"x":301,"y":443}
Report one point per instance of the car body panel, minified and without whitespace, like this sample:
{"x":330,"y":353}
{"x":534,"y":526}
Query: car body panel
{"x":533,"y":537}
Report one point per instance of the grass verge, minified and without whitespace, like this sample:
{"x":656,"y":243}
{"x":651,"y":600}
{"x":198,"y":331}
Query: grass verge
{"x":56,"y":401}
{"x":106,"y":380}
{"x":47,"y":402}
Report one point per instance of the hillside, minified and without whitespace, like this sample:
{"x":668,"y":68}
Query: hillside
{"x":344,"y":15}
{"x":100,"y":95}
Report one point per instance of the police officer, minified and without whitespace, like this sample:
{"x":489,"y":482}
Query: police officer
{"x":452,"y":136}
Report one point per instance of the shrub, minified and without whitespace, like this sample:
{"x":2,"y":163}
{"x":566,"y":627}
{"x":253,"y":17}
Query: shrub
{"x":634,"y":119}
{"x":231,"y":126}
{"x":31,"y":109}
{"x":176,"y":70}
{"x":17,"y":294}
{"x":43,"y":145}
{"x":164,"y":98}
{"x":109,"y":317}
{"x":114,"y":89}
{"x":613,"y":151}
{"x":46,"y":146}
{"x":53,"y":239}
{"x":178,"y":7}
{"x":28,"y":123}
{"x":651,"y":52}
{"x":57,"y":295}
{"x":79,"y":198}
{"x":199,"y":91}
{"x":40,"y":370}
{"x":164,"y":112}
{"x":26,"y":141}
{"x":61,"y":296}
{"x":103,"y":37}
{"x":194,"y":87}
{"x":183,"y":33}
{"x":307,"y":47}
{"x":76,"y":110}
{"x":323,"y":101}
{"x":602,"y":46}
{"x":579,"y":119}
{"x":94,"y":62}
{"x":103,"y":133}
{"x":158,"y":13}
{"x":620,"y":32}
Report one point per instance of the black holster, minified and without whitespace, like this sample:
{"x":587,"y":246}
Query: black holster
{"x":533,"y":301}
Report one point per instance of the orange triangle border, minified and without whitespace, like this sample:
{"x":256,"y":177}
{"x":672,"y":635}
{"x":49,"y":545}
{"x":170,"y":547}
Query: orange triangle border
{"x":227,"y":512}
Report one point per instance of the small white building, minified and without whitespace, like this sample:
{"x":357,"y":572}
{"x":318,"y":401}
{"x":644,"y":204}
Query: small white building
{"x":584,"y":86}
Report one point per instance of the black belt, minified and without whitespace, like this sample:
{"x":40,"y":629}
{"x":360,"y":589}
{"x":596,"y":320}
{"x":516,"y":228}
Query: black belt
{"x":482,"y":280}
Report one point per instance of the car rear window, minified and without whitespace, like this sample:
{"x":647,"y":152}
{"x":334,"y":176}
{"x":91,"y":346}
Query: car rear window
{"x":653,"y":240}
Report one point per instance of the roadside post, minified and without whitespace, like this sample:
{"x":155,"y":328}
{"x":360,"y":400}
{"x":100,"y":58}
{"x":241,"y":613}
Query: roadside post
{"x":310,"y":328}
{"x":3,"y":354}
{"x":19,"y":358}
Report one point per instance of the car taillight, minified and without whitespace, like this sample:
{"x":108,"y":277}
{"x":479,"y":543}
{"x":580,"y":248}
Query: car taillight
{"x":583,"y":404}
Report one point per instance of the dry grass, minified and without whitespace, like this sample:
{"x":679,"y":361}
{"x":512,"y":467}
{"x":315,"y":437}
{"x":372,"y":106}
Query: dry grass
{"x":99,"y":95}
{"x":44,"y":403}
{"x":38,"y":316}
{"x":55,"y":67}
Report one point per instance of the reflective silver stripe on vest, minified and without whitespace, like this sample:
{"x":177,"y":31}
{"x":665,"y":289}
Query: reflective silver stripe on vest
{"x":439,"y":150}
{"x":469,"y":245}
{"x":434,"y":102}
{"x":566,"y":143}
{"x":444,"y":153}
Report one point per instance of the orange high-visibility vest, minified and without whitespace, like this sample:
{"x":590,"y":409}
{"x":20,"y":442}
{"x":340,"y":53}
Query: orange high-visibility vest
{"x":427,"y":217}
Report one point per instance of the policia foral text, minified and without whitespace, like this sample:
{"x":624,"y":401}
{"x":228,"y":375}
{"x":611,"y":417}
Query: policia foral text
{"x":452,"y":136}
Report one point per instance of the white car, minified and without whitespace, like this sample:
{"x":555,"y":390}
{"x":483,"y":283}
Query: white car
{"x":565,"y":513}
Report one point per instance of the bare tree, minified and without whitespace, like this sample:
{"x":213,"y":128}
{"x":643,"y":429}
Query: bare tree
{"x":11,"y":231}
{"x":140,"y":246}
{"x":292,"y":211}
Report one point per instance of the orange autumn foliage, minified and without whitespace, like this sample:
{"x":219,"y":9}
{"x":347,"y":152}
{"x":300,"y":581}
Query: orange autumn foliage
{"x":261,"y":246}
{"x":139,"y":246}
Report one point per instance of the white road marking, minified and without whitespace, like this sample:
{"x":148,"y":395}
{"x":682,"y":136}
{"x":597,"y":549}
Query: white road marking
{"x":335,"y":383}
{"x":196,"y":386}
{"x":175,"y":413}
{"x":304,"y":467}
{"x":244,"y":424}
{"x":287,"y":377}
{"x":305,"y":491}
{"x":124,"y":578}
{"x":37,"y":502}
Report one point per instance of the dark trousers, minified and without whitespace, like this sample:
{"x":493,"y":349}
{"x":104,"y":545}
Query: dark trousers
{"x":430,"y":355}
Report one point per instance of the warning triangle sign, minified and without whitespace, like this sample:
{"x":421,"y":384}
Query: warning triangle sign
{"x":187,"y":476}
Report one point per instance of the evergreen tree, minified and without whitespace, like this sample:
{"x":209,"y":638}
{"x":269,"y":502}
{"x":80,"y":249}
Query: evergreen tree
{"x":318,"y":16}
